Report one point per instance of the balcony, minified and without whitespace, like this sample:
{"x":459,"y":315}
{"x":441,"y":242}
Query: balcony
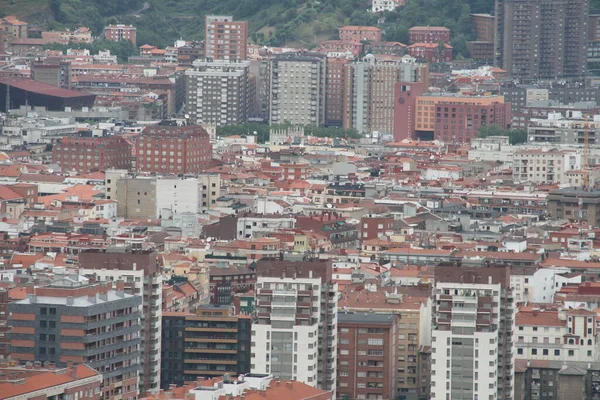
{"x":209,"y":361}
{"x":208,"y":372}
{"x":209,"y":351}
{"x":213,"y":329}
{"x":210,"y":340}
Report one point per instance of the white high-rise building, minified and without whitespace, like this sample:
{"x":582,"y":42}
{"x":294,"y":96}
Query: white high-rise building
{"x":295,"y":335}
{"x":472,"y":339}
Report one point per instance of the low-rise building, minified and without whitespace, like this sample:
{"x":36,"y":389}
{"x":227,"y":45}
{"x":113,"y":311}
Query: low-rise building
{"x":551,"y":333}
{"x":545,"y":165}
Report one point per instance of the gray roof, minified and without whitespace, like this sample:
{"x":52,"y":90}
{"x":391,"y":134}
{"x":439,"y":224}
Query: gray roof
{"x":365,"y":318}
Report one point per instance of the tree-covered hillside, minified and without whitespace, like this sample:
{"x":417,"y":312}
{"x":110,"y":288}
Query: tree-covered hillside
{"x":272,"y":22}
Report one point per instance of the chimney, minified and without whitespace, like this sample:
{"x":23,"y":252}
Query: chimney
{"x":29,"y":365}
{"x":290,"y":385}
{"x":172,"y":386}
{"x":37,"y":364}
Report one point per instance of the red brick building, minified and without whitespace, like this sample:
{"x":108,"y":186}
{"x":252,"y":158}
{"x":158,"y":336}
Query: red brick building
{"x":405,"y":108}
{"x":121,"y":32}
{"x":28,"y":191}
{"x":367,"y":355}
{"x":432,"y":52}
{"x":457,"y":122}
{"x":334,"y":111}
{"x":165,"y":149}
{"x":428,"y":34}
{"x":88,"y":154}
{"x":341,"y":46}
{"x":373,"y":226}
{"x":355,"y":33}
{"x":225,"y":39}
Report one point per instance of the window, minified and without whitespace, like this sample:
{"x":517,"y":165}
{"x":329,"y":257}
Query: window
{"x":571,"y":353}
{"x":545,"y":352}
{"x":557,"y":352}
{"x":519,"y":350}
{"x":534,"y":352}
{"x":375,"y":342}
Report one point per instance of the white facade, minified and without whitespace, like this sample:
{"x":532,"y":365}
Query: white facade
{"x":383,"y":5}
{"x":248,"y":227}
{"x":435,"y":173}
{"x":179,"y":195}
{"x":540,"y":286}
{"x":289,"y":349}
{"x":557,"y":335}
{"x":466,"y":356}
{"x":545,"y":165}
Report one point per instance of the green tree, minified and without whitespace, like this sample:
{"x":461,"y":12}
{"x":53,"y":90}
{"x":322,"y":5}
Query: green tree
{"x":515,"y":136}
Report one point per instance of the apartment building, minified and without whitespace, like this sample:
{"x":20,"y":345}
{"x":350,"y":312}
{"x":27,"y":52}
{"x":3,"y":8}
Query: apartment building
{"x":224,"y":38}
{"x":360,"y":33}
{"x":556,"y":129}
{"x":73,"y":321}
{"x":369,"y":91}
{"x":335,"y":91}
{"x":297,"y":320}
{"x":207,"y":344}
{"x":211,"y":188}
{"x":448,"y":118}
{"x":428,"y":34}
{"x":366,"y":365}
{"x":168,"y":149}
{"x":545,"y":165}
{"x":218,"y":92}
{"x":567,"y":203}
{"x":482,"y":48}
{"x":52,"y":71}
{"x":542,"y":39}
{"x":119,"y":32}
{"x":14,"y":28}
{"x":411,"y":308}
{"x":472,"y":346}
{"x":340,"y":233}
{"x":89,"y":154}
{"x":536,"y":379}
{"x":549,"y":332}
{"x":141,"y":276}
{"x":298,"y":86}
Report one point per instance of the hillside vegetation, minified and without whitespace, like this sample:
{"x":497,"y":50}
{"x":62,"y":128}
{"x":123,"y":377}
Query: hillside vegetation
{"x":272,"y":22}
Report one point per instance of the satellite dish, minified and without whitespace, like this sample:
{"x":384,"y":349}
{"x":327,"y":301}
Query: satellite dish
{"x":329,"y":205}
{"x":187,"y":116}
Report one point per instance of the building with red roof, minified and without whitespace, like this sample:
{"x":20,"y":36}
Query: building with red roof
{"x":36,"y":382}
{"x":29,"y":92}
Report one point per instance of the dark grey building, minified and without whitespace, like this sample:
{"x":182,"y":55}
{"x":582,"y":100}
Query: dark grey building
{"x":542,"y":38}
{"x":74,"y":321}
{"x":556,"y":380}
{"x":206,"y":344}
